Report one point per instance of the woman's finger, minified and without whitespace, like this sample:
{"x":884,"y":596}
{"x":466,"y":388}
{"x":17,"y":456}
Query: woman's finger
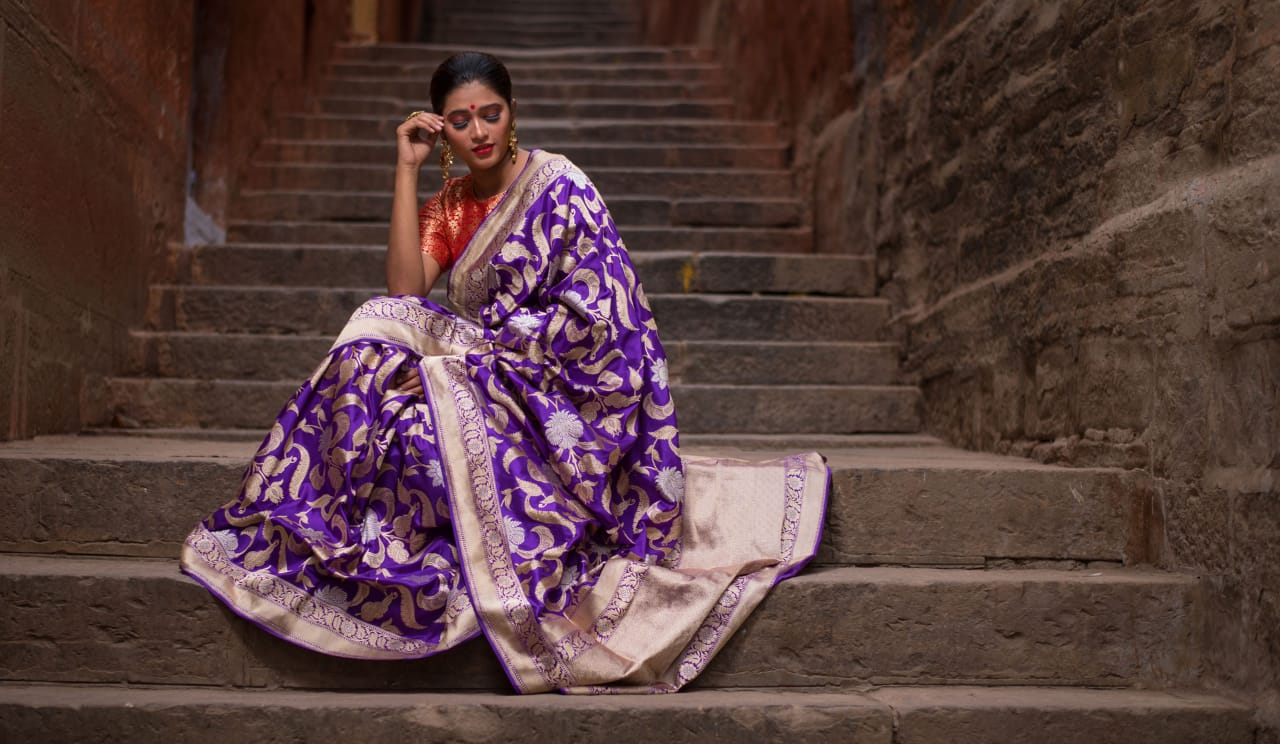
{"x":409,"y":381}
{"x":430,"y":122}
{"x":408,"y":129}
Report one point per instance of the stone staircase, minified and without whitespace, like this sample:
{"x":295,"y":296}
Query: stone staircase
{"x":764,"y":335}
{"x":520,"y":23}
{"x":958,"y":597}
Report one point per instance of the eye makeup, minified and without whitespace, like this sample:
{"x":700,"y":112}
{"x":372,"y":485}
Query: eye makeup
{"x":460,"y":120}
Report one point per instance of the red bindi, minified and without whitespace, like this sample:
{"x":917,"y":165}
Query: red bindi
{"x":473,"y":107}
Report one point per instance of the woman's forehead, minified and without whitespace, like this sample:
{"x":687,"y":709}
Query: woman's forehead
{"x":471,"y":96}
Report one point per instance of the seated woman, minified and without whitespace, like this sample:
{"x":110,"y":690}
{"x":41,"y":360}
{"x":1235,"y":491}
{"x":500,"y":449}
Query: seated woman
{"x":511,"y":466}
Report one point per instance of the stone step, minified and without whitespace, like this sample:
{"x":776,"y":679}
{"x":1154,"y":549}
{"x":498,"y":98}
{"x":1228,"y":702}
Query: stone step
{"x":756,"y":446}
{"x":831,"y":409}
{"x":631,"y":210}
{"x":515,"y":22}
{"x":542,"y":30}
{"x":420,"y":72}
{"x":559,"y":13}
{"x":516,"y":8}
{"x":890,"y":715}
{"x":534,"y":131}
{"x":834,"y":409}
{"x":419,"y":53}
{"x":702,"y":185}
{"x":592,"y":38}
{"x":569,"y":9}
{"x":718,"y":108}
{"x":589,"y":155}
{"x":254,"y":264}
{"x":64,"y":713}
{"x":1009,"y":715}
{"x":827,"y":626}
{"x":567,"y":35}
{"x":573,"y":88}
{"x":256,"y":356}
{"x":891,"y":502}
{"x":325,"y":310}
{"x":563,"y":11}
{"x":566,"y":10}
{"x":515,"y":16}
{"x":638,"y":238}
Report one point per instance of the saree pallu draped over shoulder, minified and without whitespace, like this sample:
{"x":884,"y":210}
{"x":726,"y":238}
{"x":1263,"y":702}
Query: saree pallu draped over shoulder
{"x":534,"y":490}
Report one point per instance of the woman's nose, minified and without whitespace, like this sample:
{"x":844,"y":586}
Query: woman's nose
{"x":477,"y":130}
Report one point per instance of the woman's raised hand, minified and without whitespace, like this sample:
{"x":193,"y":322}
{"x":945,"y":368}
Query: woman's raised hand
{"x":416,"y":136}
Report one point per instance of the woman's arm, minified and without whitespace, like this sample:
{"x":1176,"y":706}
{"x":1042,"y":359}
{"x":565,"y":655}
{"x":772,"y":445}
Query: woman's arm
{"x":409,"y":270}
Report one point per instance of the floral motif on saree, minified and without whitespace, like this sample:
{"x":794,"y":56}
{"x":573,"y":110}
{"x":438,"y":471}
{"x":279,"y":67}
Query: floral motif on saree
{"x":534,"y":490}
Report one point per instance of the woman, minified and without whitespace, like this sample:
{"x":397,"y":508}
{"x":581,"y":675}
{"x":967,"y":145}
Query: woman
{"x":511,"y":467}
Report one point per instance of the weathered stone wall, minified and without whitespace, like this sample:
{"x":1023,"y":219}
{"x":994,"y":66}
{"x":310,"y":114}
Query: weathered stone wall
{"x":95,"y":144}
{"x":93,"y":153}
{"x":1075,"y":208}
{"x":253,"y":61}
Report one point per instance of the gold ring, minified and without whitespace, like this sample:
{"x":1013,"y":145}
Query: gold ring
{"x":415,"y":113}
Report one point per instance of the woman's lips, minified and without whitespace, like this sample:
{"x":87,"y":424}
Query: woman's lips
{"x":483,"y":149}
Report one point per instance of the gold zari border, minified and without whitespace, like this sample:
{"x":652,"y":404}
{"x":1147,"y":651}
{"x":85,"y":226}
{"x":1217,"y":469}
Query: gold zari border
{"x":469,"y":278}
{"x":496,"y":593}
{"x":409,"y":325}
{"x":304,"y":619}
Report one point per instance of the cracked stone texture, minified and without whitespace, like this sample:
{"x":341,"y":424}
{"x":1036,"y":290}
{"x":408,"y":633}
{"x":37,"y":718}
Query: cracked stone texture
{"x":995,"y":716}
{"x":141,"y":621}
{"x":895,"y":505}
{"x":1073,"y":208}
{"x":223,"y":715}
{"x":960,"y":715}
{"x":67,"y":301}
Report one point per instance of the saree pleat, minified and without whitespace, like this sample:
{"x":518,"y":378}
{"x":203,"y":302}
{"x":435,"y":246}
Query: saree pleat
{"x":534,"y":490}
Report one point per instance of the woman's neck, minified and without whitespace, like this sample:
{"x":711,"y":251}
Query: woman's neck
{"x":489,"y":183}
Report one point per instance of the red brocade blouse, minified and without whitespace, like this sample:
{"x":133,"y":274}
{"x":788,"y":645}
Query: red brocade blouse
{"x":449,"y":219}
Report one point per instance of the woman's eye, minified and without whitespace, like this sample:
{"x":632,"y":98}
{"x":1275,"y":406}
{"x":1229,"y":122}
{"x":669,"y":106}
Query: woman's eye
{"x":458,"y":124}
{"x":493,"y":118}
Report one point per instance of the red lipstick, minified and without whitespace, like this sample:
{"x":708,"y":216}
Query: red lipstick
{"x":483,"y":150}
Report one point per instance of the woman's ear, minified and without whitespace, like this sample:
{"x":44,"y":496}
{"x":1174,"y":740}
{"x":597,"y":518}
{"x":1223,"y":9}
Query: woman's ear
{"x":513,"y":108}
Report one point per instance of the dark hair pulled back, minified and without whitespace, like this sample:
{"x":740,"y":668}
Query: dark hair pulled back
{"x":469,"y":67}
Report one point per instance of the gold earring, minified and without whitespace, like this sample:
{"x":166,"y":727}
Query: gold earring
{"x":512,"y":141}
{"x":446,"y":159}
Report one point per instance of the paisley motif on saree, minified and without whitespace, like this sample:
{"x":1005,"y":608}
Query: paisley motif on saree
{"x":535,"y":488}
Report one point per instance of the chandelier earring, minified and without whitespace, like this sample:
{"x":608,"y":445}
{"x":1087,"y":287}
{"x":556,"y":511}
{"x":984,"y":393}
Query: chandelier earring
{"x":512,"y":141}
{"x":446,"y":159}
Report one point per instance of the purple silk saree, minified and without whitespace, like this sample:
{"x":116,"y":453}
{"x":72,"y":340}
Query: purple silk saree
{"x":533,"y":491}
